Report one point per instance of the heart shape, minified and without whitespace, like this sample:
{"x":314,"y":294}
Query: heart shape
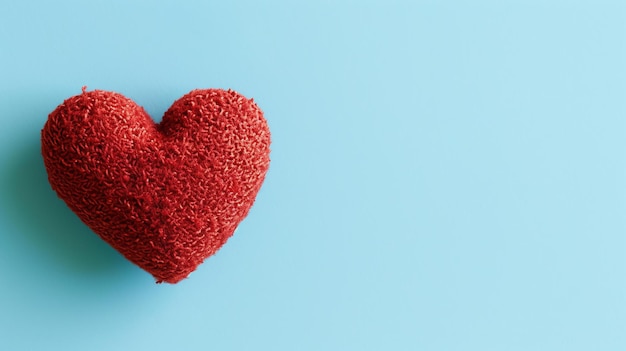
{"x":168,"y":195}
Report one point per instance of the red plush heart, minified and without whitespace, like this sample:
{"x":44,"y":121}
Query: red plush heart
{"x":166,"y":195}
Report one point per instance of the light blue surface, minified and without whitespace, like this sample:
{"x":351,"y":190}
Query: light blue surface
{"x":445,"y":176}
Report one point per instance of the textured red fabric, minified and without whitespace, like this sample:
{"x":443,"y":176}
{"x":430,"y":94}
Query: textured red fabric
{"x":167,"y":195}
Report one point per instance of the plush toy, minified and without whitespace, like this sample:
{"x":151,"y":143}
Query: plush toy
{"x":168,"y":195}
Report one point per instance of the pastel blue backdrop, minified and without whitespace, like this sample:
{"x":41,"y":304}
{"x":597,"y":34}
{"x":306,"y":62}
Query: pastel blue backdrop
{"x":446,"y":175}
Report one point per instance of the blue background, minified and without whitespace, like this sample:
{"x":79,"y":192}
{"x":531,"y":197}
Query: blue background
{"x":446,"y":175}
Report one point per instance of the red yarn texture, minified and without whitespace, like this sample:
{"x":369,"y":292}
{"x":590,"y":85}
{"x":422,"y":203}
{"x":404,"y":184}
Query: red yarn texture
{"x":167,"y":195}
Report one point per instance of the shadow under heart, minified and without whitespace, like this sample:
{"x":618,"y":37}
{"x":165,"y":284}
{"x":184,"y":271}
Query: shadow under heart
{"x":45,"y":223}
